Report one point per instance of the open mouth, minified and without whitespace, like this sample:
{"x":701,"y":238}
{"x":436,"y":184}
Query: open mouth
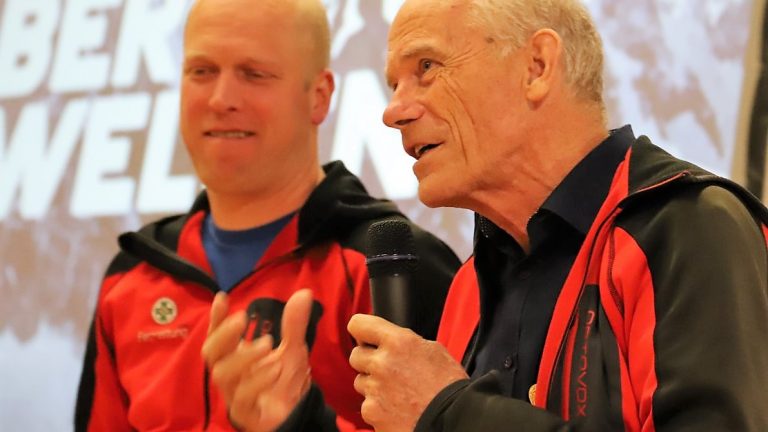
{"x":422,"y":150}
{"x":229,"y":134}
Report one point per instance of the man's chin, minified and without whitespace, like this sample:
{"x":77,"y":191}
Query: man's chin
{"x":433,"y":195}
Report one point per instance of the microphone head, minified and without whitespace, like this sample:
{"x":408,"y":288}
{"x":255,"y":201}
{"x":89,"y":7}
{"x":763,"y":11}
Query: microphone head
{"x":391,"y":248}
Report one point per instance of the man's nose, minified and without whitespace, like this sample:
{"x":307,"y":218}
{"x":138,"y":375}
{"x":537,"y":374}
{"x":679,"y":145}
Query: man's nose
{"x":227,"y":93}
{"x":402,"y":109}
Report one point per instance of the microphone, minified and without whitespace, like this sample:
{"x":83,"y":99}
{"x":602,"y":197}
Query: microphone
{"x":391,"y":260}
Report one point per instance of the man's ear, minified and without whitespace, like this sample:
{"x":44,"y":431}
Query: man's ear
{"x":545,"y":51}
{"x":322,"y":90}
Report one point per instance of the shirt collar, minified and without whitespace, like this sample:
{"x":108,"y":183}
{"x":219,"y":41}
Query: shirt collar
{"x":578,"y":198}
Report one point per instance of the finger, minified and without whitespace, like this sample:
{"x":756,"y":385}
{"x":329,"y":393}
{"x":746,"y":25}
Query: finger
{"x":259,"y":380}
{"x":218,"y":310}
{"x":294,"y":375}
{"x":361,"y":359}
{"x":245,"y":413}
{"x":369,"y":411}
{"x":224,"y":338}
{"x":231,"y":369}
{"x":295,"y":319}
{"x":370,"y":329}
{"x":361,"y":384}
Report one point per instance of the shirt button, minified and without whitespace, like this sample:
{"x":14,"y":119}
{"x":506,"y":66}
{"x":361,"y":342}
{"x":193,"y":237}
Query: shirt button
{"x":508,"y":362}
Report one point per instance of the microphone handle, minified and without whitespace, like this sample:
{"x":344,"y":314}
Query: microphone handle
{"x":390,"y":300}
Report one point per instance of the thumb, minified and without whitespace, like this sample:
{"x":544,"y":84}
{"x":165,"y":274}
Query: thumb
{"x":295,"y":319}
{"x":219,"y":310}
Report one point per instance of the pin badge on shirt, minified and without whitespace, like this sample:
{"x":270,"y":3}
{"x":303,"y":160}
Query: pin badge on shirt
{"x":164,"y":311}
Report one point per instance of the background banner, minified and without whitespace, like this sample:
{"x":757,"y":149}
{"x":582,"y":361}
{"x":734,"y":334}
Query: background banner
{"x":89,"y":145}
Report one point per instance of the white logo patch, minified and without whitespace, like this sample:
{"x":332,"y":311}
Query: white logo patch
{"x":164,"y":311}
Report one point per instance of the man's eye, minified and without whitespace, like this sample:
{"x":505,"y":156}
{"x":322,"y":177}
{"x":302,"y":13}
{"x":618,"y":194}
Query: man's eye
{"x":255,"y":74}
{"x":199,"y":71}
{"x":425,"y":65}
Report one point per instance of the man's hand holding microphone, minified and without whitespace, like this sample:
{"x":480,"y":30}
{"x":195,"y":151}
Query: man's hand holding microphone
{"x":399,"y":372}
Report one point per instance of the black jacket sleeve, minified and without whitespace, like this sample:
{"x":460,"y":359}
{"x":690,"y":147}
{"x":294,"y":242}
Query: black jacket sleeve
{"x":707,"y":259}
{"x":478,"y":405}
{"x":311,"y":415}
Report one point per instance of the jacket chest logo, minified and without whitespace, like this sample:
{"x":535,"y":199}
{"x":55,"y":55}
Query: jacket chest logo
{"x":164,"y":311}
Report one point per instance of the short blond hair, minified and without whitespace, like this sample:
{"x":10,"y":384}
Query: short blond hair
{"x":513,"y":22}
{"x":311,"y":21}
{"x":312,"y":18}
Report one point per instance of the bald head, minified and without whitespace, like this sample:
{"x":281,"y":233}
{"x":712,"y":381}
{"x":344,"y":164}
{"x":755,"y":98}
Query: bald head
{"x":305,"y":19}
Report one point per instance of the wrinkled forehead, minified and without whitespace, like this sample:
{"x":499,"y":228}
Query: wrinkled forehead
{"x":429,"y":10}
{"x":424,"y":27}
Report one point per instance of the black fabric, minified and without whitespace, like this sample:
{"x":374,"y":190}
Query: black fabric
{"x":580,"y":195}
{"x":338,"y":203}
{"x":518,"y":290}
{"x":312,"y":414}
{"x":719,"y":308}
{"x":333,"y":209}
{"x":435,"y":269}
{"x":477,"y":406}
{"x":758,"y":127}
{"x":707,"y":258}
{"x":653,"y":169}
{"x":153,"y":252}
{"x":87,"y":384}
{"x":432,"y":416}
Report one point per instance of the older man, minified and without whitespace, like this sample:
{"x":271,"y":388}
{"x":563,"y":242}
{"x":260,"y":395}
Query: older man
{"x":612,"y":286}
{"x":254,"y":88}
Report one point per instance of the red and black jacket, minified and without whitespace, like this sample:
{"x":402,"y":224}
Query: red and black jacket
{"x":659,"y":326}
{"x":143,"y":369}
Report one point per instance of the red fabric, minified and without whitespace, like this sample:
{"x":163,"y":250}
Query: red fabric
{"x":157,"y":382}
{"x":636,"y":335}
{"x":461,"y":312}
{"x":593,"y":266}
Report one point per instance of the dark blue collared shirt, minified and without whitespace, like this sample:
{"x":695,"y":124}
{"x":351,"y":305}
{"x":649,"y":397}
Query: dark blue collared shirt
{"x":518,"y":291}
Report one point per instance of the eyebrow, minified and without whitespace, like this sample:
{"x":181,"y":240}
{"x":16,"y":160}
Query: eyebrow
{"x":420,"y":47}
{"x":205,"y":58}
{"x":414,"y":50}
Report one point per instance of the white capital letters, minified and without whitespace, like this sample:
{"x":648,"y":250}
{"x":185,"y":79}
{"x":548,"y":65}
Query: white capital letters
{"x":104,"y":154}
{"x":158,"y":191}
{"x":77,"y":67}
{"x":148,"y":30}
{"x":26,"y":36}
{"x":27,"y":158}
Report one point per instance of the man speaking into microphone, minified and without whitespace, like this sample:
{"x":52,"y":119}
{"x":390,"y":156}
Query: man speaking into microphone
{"x":612,"y":287}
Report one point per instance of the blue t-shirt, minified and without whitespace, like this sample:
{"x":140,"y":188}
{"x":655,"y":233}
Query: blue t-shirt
{"x":234,"y":254}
